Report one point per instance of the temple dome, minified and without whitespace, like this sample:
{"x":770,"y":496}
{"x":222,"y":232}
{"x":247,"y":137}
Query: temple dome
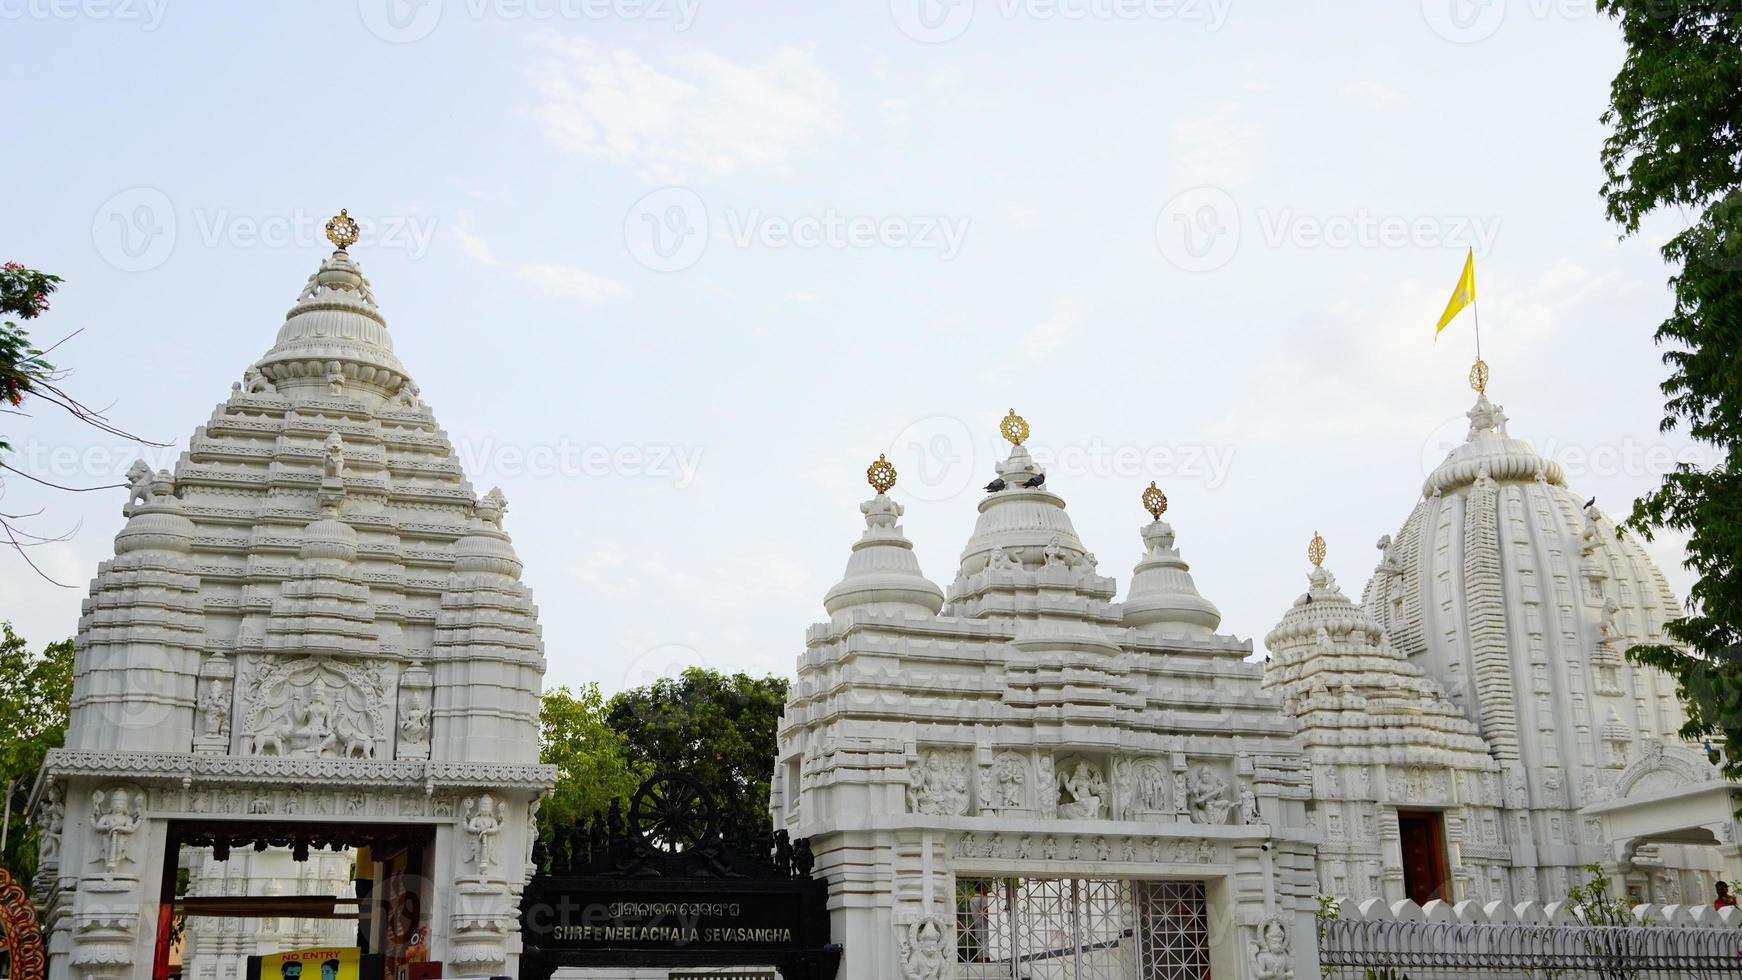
{"x":1520,"y":598}
{"x":1018,"y":521}
{"x":486,"y":548}
{"x":883,"y":574}
{"x":1489,"y":448}
{"x":334,"y":330}
{"x":1163,"y":596}
{"x":1355,"y":694}
{"x":156,"y":522}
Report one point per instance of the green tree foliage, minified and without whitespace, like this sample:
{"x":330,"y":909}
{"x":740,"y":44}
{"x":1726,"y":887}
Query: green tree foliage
{"x":26,"y":377}
{"x":23,"y":294}
{"x":718,"y":729}
{"x":36,"y":692}
{"x":592,"y":758}
{"x":1676,"y":143}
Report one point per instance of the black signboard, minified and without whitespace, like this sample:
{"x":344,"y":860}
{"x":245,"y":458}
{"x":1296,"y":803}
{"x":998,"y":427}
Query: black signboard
{"x":663,"y":886}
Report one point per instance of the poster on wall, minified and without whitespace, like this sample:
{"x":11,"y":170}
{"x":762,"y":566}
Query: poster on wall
{"x":323,"y":963}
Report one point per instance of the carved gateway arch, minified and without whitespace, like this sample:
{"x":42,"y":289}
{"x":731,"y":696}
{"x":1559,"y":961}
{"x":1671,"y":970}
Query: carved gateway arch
{"x":20,"y":935}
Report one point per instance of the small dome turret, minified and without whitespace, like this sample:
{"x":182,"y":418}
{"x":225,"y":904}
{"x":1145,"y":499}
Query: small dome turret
{"x":883,"y":574}
{"x":1163,"y":596}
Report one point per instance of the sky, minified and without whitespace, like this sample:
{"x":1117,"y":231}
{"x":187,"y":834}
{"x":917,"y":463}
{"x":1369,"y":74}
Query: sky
{"x":673,"y":272}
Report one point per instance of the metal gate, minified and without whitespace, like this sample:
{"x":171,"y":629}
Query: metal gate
{"x":1083,"y":929}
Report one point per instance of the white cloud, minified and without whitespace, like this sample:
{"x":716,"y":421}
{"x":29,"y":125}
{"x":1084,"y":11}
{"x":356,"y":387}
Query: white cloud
{"x":552,"y":278}
{"x":1217,"y":147}
{"x":894,"y":113}
{"x":1040,"y":343}
{"x":1374,"y":94}
{"x":561,"y":280}
{"x":698,"y":116}
{"x":802,"y":296}
{"x":1359,"y":363}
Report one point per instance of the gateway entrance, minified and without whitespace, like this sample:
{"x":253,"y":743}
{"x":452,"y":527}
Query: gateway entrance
{"x":1082,"y":929}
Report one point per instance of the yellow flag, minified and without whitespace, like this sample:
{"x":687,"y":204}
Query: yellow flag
{"x":1464,"y":295}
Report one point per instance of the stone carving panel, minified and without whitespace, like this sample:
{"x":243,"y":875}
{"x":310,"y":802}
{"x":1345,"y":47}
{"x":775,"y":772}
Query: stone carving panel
{"x":482,"y":817}
{"x":924,"y":950}
{"x":117,"y":813}
{"x":1207,"y":799}
{"x":1149,"y":786}
{"x":1010,"y":776}
{"x":938,"y":783}
{"x":315,"y":707}
{"x":1272,"y":958}
{"x":1082,"y":790}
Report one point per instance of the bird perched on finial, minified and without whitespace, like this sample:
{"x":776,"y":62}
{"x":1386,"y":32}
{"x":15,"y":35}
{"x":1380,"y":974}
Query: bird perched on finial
{"x":996,"y":485}
{"x":1590,"y":503}
{"x":1039,"y":479}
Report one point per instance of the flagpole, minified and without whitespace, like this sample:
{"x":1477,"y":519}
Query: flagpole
{"x":1476,"y":314}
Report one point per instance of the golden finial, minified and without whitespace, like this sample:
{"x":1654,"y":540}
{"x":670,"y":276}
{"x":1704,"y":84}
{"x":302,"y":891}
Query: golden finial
{"x":1154,"y":501}
{"x":1479,"y":376}
{"x":1014,"y":427}
{"x":342,"y":230}
{"x":881,"y":474}
{"x":1316,"y":551}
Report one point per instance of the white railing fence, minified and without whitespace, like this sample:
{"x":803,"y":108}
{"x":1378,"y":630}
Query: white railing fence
{"x":1527,"y":941}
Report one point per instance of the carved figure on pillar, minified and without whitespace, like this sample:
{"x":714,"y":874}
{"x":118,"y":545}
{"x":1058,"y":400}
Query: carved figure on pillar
{"x":115,"y":814}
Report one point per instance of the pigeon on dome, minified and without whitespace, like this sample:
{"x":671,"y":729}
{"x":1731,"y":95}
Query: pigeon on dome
{"x":883,"y":575}
{"x":1019,"y":516}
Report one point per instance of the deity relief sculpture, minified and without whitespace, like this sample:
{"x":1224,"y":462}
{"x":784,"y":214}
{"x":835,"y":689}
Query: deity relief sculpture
{"x":1012,"y":777}
{"x":1043,"y":782}
{"x":312,"y":707}
{"x":1151,"y":789}
{"x":483,"y":818}
{"x":938,"y":784}
{"x":1082,"y":792}
{"x":1206,"y":796}
{"x":116,"y":814}
{"x":1249,"y":814}
{"x":332,"y":458}
{"x":313,"y":718}
{"x":1055,"y":555}
{"x":1124,"y":789}
{"x":923,"y":952}
{"x":1271,"y":959}
{"x":50,"y":819}
{"x":215,"y":708}
{"x":408,"y":395}
{"x":414,"y":721}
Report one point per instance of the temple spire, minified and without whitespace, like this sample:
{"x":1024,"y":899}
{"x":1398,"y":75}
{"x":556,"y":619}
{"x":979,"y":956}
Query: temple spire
{"x":883,"y":575}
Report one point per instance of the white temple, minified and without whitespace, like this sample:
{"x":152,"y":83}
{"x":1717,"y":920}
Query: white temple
{"x":1028,"y":779}
{"x":312,"y":634}
{"x":1517,"y":600}
{"x":1393,"y":760}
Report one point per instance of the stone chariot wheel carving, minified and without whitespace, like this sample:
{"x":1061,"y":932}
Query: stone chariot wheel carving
{"x":672,"y":813}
